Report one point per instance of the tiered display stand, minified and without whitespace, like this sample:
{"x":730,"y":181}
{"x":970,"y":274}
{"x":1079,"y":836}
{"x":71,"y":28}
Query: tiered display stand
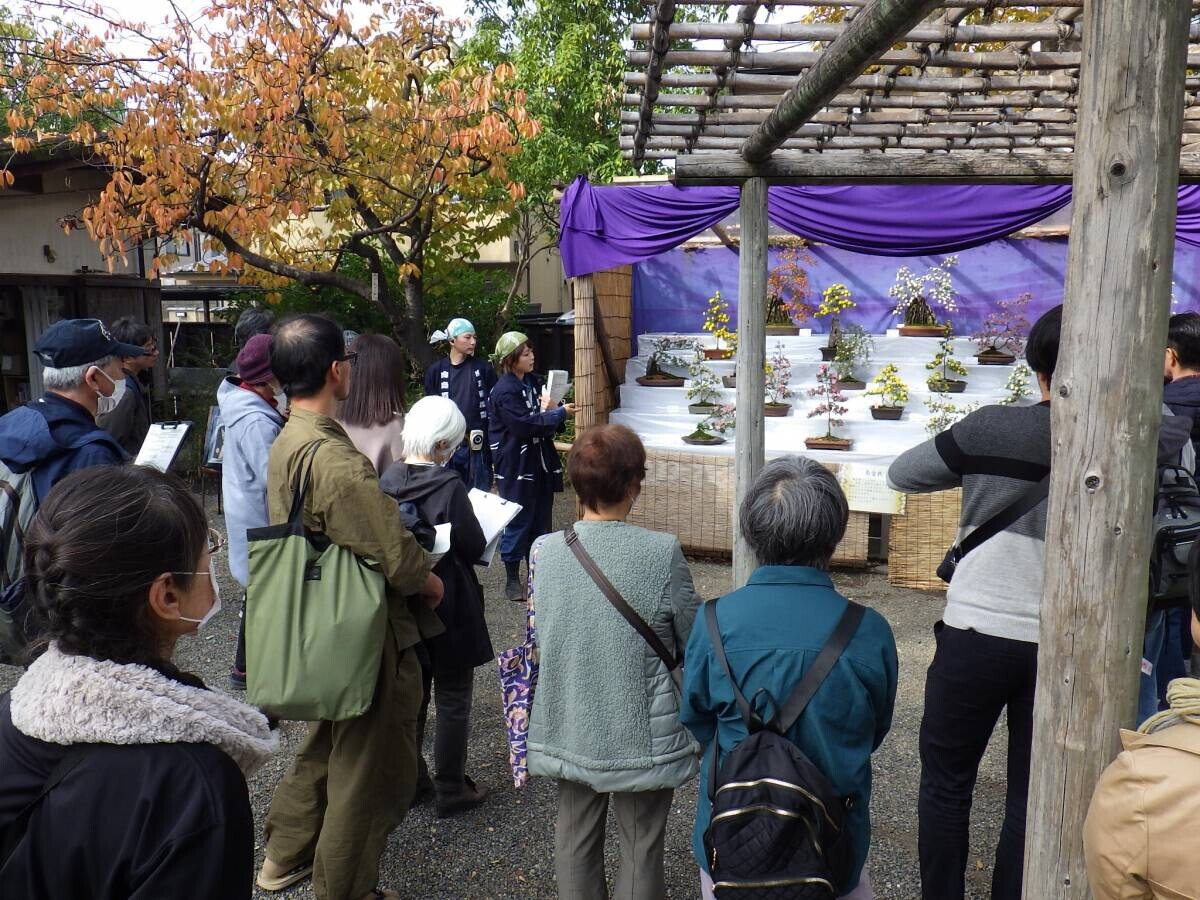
{"x":689,"y":489}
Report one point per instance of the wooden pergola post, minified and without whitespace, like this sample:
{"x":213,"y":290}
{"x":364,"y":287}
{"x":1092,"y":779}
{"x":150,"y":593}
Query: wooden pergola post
{"x":751,"y":354}
{"x":1106,"y":405}
{"x":583,"y":292}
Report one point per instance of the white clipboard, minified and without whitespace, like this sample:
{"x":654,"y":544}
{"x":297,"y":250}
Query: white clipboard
{"x":493,"y":513}
{"x":162,"y":444}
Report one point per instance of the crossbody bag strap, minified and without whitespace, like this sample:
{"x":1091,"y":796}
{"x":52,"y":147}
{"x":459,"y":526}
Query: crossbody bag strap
{"x":614,"y":597}
{"x":842,"y":634}
{"x":301,"y":489}
{"x":17,"y":828}
{"x":1005,"y":517}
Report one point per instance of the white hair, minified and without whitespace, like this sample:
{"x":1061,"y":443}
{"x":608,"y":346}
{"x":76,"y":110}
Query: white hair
{"x":71,"y":377}
{"x":432,"y":421}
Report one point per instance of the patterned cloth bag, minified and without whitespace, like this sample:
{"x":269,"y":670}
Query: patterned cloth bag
{"x":518,"y":680}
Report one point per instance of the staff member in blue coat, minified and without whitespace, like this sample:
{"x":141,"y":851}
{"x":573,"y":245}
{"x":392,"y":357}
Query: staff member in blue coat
{"x":522,"y":425}
{"x":466,"y":381}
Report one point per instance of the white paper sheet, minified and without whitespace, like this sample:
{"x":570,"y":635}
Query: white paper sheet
{"x":557,"y":384}
{"x":162,"y":444}
{"x":441,"y":543}
{"x":493,"y":513}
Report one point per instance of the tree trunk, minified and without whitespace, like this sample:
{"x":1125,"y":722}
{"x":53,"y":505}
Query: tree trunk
{"x":411,"y":325}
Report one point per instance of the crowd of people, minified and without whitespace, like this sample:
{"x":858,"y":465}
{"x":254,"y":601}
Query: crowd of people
{"x":123,"y":776}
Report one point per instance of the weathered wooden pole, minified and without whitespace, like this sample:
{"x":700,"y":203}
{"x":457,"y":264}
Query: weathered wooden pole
{"x":584,"y":294}
{"x":1106,"y":410}
{"x":751,"y":354}
{"x":870,"y":33}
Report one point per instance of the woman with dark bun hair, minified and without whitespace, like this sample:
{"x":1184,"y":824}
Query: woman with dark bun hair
{"x":120,"y":775}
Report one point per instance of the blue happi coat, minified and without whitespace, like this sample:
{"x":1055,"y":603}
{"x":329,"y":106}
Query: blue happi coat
{"x":522,"y":439}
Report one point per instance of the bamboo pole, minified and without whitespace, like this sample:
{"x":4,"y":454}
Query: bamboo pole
{"x":660,"y":41}
{"x":921,"y":83}
{"x":909,"y":30}
{"x":1105,"y":419}
{"x":750,"y":449}
{"x":783,"y":60}
{"x":745,"y":17}
{"x":583,"y":290}
{"x":924,"y":101}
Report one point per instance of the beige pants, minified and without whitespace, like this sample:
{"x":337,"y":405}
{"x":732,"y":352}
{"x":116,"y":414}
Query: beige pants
{"x":351,"y":784}
{"x":579,"y":843}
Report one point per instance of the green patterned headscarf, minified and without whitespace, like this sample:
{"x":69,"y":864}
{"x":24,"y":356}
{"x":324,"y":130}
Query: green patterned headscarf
{"x":509,"y":341}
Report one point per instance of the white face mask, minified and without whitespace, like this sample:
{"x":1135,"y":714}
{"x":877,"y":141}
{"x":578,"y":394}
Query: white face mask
{"x":212,"y":610}
{"x":108,"y":404}
{"x":281,"y":402}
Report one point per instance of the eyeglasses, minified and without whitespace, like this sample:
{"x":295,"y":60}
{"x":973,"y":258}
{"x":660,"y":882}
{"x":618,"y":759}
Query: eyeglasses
{"x":351,"y":357}
{"x":216,"y":542}
{"x":151,"y":348}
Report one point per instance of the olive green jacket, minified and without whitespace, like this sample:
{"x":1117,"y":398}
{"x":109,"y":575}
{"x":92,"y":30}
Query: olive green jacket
{"x":345,"y":503}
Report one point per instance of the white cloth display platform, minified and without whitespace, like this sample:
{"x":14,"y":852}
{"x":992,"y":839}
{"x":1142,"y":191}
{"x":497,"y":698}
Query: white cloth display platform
{"x":660,"y":417}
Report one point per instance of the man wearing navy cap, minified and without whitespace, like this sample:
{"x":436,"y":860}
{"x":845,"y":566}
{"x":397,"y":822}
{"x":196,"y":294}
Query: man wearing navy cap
{"x":57,"y":434}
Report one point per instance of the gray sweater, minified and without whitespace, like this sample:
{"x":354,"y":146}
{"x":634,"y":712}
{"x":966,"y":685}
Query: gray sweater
{"x":996,"y":454}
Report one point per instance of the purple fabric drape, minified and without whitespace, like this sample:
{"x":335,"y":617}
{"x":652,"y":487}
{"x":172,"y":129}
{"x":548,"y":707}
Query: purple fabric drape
{"x":612,"y":226}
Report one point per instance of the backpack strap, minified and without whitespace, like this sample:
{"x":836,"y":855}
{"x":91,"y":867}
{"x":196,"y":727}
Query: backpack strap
{"x":749,"y":716}
{"x":12,"y":835}
{"x":613,"y":596}
{"x":843,"y":632}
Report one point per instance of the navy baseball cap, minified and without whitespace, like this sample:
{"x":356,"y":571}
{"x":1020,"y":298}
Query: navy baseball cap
{"x":74,"y":342}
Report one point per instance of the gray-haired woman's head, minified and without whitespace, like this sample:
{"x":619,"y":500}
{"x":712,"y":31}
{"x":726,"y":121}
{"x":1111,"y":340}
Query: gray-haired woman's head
{"x":794,"y":514}
{"x":433,"y":428}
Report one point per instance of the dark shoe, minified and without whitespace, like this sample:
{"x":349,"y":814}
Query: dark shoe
{"x":424,"y":792}
{"x":514,"y":590}
{"x":469,"y":798}
{"x":237,"y":680}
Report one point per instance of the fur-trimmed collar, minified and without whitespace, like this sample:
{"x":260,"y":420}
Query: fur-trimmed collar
{"x":64,"y":699}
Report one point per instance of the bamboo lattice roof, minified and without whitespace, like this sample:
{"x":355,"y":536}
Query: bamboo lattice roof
{"x":954,"y":81}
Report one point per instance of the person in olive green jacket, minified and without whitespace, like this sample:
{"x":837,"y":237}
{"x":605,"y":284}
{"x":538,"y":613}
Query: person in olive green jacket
{"x":353,"y":780}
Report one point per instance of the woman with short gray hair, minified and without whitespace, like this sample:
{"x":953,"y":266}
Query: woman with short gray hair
{"x":773,"y":629}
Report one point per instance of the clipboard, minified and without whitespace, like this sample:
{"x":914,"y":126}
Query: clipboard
{"x":493,"y":513}
{"x":162,"y":444}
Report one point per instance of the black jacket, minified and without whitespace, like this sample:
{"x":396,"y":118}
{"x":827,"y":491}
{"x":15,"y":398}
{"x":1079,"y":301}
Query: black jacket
{"x":1182,"y":397}
{"x":144,"y":821}
{"x":440,"y":496}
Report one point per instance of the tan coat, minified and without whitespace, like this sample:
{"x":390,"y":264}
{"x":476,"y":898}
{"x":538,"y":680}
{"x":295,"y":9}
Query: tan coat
{"x":1141,"y":833}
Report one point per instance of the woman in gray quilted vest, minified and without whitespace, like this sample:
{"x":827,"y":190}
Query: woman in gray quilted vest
{"x":605,"y":720}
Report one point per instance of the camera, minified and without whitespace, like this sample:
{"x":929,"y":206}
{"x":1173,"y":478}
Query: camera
{"x":476,"y":439}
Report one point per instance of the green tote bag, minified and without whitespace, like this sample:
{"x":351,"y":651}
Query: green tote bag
{"x":316,"y":616}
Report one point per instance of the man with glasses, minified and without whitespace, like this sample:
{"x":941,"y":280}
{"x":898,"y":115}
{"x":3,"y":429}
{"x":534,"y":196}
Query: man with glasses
{"x":128,"y":419}
{"x":352,"y":780}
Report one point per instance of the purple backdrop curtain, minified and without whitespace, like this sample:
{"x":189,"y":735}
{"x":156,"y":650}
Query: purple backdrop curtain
{"x":612,"y":226}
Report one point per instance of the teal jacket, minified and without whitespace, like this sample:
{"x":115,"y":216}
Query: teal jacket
{"x":773,"y":629}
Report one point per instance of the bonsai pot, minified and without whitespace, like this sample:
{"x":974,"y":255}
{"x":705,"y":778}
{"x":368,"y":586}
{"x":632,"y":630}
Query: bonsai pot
{"x":828,"y":443}
{"x":852,"y":384}
{"x":783,"y":330}
{"x":889,"y":413}
{"x":936,"y":331}
{"x":992,"y":357}
{"x":949,"y":386}
{"x":730,"y":381}
{"x":702,"y":409}
{"x":714,"y":353}
{"x":659,"y":381}
{"x":827,"y":353}
{"x":776,"y":410}
{"x":700,"y":438}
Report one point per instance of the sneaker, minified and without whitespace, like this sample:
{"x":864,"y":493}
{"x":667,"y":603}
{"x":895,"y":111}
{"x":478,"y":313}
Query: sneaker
{"x":514,"y":590}
{"x":237,"y":680}
{"x":469,"y":798}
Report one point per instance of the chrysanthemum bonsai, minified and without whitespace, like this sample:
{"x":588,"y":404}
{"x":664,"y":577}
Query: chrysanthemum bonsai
{"x":709,"y":430}
{"x":835,"y":300}
{"x":892,"y":392}
{"x":943,"y":365}
{"x":832,"y":405}
{"x":1017,"y":387}
{"x":676,"y":352}
{"x":777,"y":376}
{"x":716,"y":323}
{"x":1001,"y":337}
{"x":703,"y":390}
{"x":944,"y":413}
{"x":854,"y":349}
{"x":917,"y":295}
{"x":788,"y":290}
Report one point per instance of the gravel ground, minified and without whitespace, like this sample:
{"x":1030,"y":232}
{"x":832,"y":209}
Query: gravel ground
{"x":505,"y":847}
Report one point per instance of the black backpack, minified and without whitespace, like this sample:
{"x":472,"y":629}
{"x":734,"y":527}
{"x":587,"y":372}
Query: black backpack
{"x":777,"y":827}
{"x":1176,"y":529}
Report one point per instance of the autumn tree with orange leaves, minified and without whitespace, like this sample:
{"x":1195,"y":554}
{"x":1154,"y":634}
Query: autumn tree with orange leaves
{"x":291,"y":135}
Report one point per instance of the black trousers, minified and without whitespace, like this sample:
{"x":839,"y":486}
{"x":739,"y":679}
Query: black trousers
{"x":973,"y":677}
{"x":451,"y":694}
{"x":239,"y":656}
